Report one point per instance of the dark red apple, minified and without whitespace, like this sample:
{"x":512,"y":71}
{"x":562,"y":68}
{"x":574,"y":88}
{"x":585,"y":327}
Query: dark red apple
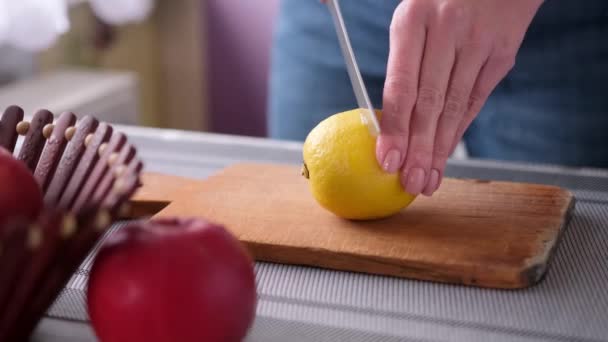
{"x":20,"y":194}
{"x":172,"y":280}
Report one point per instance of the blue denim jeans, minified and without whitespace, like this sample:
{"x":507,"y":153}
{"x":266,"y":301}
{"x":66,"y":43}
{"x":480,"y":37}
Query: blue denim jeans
{"x":551,"y":108}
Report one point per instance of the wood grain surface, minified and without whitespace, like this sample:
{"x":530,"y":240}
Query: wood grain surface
{"x":481,"y":233}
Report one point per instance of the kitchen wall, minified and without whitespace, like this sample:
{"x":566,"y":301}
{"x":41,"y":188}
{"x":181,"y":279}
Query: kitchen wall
{"x":200,"y":64}
{"x":166,"y":53}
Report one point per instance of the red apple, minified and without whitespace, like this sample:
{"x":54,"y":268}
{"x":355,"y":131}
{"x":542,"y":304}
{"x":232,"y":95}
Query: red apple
{"x":20,"y":194}
{"x":172,"y":280}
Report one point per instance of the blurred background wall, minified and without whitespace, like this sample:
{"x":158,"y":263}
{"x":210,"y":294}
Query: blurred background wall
{"x":193,"y":64}
{"x":238,"y":48}
{"x":165,"y":52}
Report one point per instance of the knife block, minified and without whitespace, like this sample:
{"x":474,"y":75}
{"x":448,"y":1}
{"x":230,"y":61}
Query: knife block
{"x":87,"y":172}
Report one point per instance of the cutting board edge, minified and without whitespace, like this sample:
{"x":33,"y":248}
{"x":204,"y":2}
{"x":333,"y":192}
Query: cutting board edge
{"x":535,"y":269}
{"x":514,"y":278}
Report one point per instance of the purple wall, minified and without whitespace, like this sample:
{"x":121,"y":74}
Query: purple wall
{"x":239,"y":40}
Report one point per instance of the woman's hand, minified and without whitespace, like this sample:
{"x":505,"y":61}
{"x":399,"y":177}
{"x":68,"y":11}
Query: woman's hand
{"x":446,"y":56}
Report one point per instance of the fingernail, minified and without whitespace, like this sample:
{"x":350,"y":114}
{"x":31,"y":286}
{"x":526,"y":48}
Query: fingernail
{"x":439,"y":179}
{"x":415,"y":181}
{"x":391,"y":161}
{"x":433,"y":183}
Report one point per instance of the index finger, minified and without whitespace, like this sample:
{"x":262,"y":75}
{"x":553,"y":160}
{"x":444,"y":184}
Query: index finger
{"x":407,"y":40}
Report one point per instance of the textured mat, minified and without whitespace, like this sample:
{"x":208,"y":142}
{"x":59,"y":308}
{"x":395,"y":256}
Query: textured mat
{"x":309,"y":304}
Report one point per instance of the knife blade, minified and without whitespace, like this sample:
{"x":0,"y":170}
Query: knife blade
{"x":368,"y":114}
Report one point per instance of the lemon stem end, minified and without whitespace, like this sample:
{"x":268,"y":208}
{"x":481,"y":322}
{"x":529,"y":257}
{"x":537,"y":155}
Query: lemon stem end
{"x":305,"y":171}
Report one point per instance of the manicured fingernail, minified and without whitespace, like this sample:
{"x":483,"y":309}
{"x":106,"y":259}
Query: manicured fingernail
{"x":439,"y":179}
{"x":392,"y":161}
{"x":433,"y":183}
{"x":415,"y":181}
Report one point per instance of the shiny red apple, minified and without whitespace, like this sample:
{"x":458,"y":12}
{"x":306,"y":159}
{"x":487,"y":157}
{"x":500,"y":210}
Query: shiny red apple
{"x":20,"y":194}
{"x":172,"y":280}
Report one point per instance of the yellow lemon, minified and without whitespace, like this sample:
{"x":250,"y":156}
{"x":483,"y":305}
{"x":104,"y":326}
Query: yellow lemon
{"x":343,"y":173}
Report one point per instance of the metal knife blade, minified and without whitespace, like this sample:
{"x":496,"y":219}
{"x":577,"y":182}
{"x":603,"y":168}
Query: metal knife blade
{"x":368,"y":114}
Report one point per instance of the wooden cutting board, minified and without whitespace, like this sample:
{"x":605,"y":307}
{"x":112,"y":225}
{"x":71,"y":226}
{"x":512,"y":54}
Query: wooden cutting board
{"x":480,"y":233}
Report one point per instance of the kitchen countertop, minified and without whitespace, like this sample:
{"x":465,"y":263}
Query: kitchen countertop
{"x":308,"y":304}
